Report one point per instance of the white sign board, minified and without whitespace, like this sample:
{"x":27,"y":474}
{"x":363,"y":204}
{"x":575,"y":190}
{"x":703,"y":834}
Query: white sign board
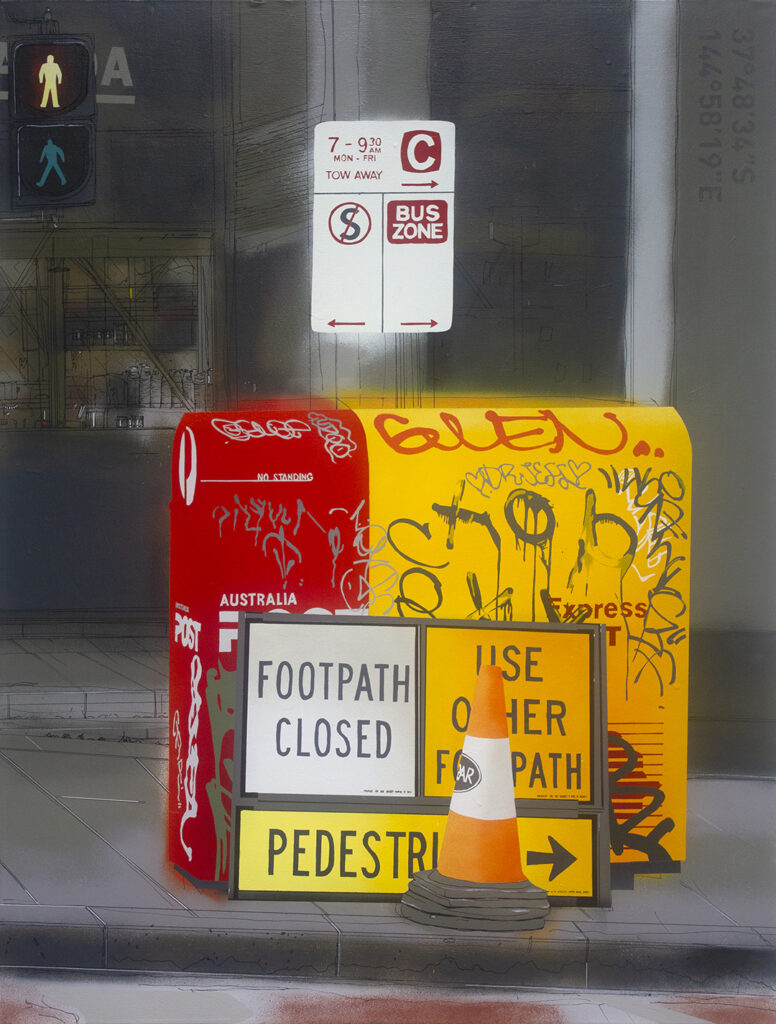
{"x":330,"y":710}
{"x":383,"y":226}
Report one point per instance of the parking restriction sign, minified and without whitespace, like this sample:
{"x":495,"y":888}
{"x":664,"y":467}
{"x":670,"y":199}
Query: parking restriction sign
{"x":383,"y":226}
{"x":350,"y":223}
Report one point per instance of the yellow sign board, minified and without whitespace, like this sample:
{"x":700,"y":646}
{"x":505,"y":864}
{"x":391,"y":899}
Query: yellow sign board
{"x":567,"y":514}
{"x":548,"y":693}
{"x":559,"y":854}
{"x":374,"y":853}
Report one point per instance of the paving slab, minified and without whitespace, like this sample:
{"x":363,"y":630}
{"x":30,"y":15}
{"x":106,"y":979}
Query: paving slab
{"x":49,"y":645}
{"x":97,"y":670}
{"x":12,"y":889}
{"x":141,"y":668}
{"x":54,"y":851}
{"x":20,"y":666}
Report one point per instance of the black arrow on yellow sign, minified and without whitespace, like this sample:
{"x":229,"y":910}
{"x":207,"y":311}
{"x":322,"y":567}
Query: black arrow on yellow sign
{"x":560,"y":858}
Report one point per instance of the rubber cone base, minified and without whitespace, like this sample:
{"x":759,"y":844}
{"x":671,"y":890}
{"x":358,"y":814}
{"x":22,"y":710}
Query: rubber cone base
{"x":433,"y":898}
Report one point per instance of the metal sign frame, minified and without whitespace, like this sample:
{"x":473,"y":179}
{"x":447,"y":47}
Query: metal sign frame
{"x":595,"y":809}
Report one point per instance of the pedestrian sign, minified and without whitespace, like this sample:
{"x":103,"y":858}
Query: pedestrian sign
{"x":383,"y":226}
{"x":374,"y":853}
{"x":52,"y":129}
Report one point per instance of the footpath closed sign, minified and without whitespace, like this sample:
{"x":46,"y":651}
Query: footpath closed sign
{"x":383,"y":226}
{"x":350,"y":733}
{"x":330,"y":709}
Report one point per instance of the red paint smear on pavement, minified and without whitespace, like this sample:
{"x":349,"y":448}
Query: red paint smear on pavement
{"x":719,"y":1010}
{"x":16,"y":1009}
{"x":363,"y":1010}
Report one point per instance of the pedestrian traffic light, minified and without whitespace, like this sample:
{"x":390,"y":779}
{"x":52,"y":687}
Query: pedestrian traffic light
{"x":52,"y":100}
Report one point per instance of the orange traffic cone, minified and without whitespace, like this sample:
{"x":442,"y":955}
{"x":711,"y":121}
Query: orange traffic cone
{"x":479,"y":881}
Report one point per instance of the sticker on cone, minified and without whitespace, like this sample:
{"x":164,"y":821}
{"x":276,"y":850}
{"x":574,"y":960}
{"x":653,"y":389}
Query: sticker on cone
{"x":468,"y":775}
{"x":479,"y":882}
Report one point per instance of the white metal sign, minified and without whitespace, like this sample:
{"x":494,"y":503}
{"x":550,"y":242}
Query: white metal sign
{"x":383,"y":226}
{"x":330,"y":710}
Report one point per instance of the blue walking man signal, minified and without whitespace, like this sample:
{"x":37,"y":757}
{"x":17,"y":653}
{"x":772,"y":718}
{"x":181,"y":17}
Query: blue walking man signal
{"x":52,"y":154}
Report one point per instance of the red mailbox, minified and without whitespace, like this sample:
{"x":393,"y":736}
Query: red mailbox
{"x":269,"y":512}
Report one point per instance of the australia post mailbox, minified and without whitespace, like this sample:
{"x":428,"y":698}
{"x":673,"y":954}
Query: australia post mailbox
{"x":552,"y":515}
{"x":268,"y":513}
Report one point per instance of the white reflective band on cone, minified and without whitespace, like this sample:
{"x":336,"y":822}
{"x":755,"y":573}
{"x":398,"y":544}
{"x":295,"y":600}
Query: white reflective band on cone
{"x":493,"y":798}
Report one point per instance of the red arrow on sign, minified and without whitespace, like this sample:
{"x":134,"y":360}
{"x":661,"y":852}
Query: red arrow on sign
{"x":419,"y":323}
{"x":419,"y":184}
{"x":346,"y":323}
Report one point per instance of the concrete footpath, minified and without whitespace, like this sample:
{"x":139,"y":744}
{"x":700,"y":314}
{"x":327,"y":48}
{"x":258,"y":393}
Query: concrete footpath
{"x":84,"y":881}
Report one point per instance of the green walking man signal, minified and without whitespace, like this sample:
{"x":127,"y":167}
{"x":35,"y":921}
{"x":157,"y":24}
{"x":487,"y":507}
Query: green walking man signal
{"x":52,"y":155}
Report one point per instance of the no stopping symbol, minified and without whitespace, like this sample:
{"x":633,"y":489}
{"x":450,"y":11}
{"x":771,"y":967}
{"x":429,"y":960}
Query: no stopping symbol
{"x":349,"y":223}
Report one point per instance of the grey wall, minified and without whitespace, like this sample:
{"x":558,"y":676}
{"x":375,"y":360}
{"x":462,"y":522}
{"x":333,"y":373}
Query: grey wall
{"x":725,"y":368}
{"x":84,"y":520}
{"x":725,"y":372}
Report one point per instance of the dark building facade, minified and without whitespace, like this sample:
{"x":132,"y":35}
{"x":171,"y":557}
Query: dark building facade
{"x":185,"y":285}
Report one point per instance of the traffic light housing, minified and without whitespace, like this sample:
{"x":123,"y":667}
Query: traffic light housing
{"x":52,"y":102}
